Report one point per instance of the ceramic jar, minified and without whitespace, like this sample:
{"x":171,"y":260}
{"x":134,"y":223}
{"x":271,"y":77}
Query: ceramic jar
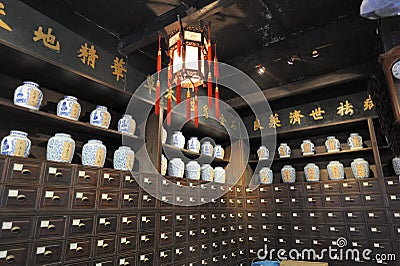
{"x":219,"y":175}
{"x":207,"y":172}
{"x":219,"y":152}
{"x":178,"y":140}
{"x":176,"y":167}
{"x":335,"y":170}
{"x":332,"y":144}
{"x":193,"y":170}
{"x":396,"y":165}
{"x":307,"y":147}
{"x":284,"y":150}
{"x":266,"y":176}
{"x":263,"y":153}
{"x":127,"y":124}
{"x":311,"y":172}
{"x":16,"y":144}
{"x":28,"y":95}
{"x":60,"y":148}
{"x":207,"y":148}
{"x":193,"y":144}
{"x":360,"y":168}
{"x":94,"y":153}
{"x":288,"y":174}
{"x":355,"y":141}
{"x":164,"y":165}
{"x":163,"y":135}
{"x":124,"y":158}
{"x":100,"y":117}
{"x":69,"y":108}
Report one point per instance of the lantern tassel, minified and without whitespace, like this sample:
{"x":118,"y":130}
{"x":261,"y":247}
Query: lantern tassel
{"x":196,"y":109}
{"x":159,"y":55}
{"x":216,"y":75}
{"x":209,"y":49}
{"x":178,"y":89}
{"x":216,"y":70}
{"x":217,"y":102}
{"x":209,"y":89}
{"x":169,"y":110}
{"x":158,"y":91}
{"x":188,"y":105}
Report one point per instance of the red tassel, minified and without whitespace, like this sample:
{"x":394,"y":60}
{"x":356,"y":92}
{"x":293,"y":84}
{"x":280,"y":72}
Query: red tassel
{"x":169,"y":75}
{"x":216,"y":70}
{"x":178,"y":89}
{"x":158,"y":91}
{"x":179,"y":47}
{"x":169,"y":111}
{"x":188,"y":105}
{"x":196,"y":111}
{"x":159,"y":55}
{"x":209,"y":87}
{"x":209,"y":54}
{"x":217,"y":102}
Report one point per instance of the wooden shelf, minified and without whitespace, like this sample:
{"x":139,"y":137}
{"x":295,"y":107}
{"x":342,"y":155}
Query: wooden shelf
{"x":69,"y":126}
{"x":193,"y":155}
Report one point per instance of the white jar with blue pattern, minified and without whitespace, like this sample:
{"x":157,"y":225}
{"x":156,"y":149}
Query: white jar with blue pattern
{"x":164,"y":135}
{"x":207,"y":172}
{"x":193,"y":144}
{"x":355,"y":141}
{"x":263,"y":153}
{"x":307,"y":147}
{"x":288,"y":174}
{"x":266,"y":176}
{"x":396,"y":165}
{"x":219,"y":175}
{"x":94,"y":153}
{"x":335,"y":170}
{"x":311,"y":171}
{"x":100,"y":117}
{"x":69,"y":108}
{"x":219,"y":152}
{"x":124,"y":158}
{"x":284,"y":150}
{"x":207,"y":148}
{"x":127,"y":124}
{"x":28,"y":95}
{"x":193,"y":170}
{"x":60,"y":148}
{"x":360,"y":168}
{"x":332,"y":144}
{"x":16,"y":144}
{"x":178,"y":140}
{"x":176,"y":167}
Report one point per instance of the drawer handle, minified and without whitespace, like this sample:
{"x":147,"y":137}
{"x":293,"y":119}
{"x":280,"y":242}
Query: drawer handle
{"x":165,"y":237}
{"x":59,"y":175}
{"x":130,"y":200}
{"x":110,"y":179}
{"x":349,"y":199}
{"x":148,"y":182}
{"x":165,"y":255}
{"x":82,"y":225}
{"x":48,"y":253}
{"x":16,"y":230}
{"x":233,"y":255}
{"x":192,"y":249}
{"x":148,"y":221}
{"x":79,"y":249}
{"x":86,"y":177}
{"x":204,"y":232}
{"x":107,"y":224}
{"x":105,"y":246}
{"x":233,"y":241}
{"x":146,"y":239}
{"x":165,"y":220}
{"x":85,"y":199}
{"x":179,"y":235}
{"x":129,"y":222}
{"x":26,"y":172}
{"x":128,"y":243}
{"x":21,"y":198}
{"x":193,"y":218}
{"x":126,"y":263}
{"x":192,"y":234}
{"x":51,"y":227}
{"x":109,"y":199}
{"x":131,"y":181}
{"x":55,"y":198}
{"x":10,"y":259}
{"x":204,"y":247}
{"x":148,"y":200}
{"x":215,"y":259}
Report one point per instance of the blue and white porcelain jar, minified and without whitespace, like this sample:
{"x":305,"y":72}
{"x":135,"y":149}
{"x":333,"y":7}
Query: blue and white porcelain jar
{"x":193,"y":170}
{"x":176,"y":167}
{"x":284,"y":150}
{"x":127,"y":124}
{"x":28,"y":95}
{"x":124,"y":158}
{"x":207,"y":148}
{"x":69,"y":108}
{"x":60,"y":148}
{"x":335,"y":170}
{"x":100,"y":117}
{"x":266,"y":176}
{"x":355,"y":141}
{"x":219,"y":175}
{"x":193,"y":144}
{"x":288,"y":174}
{"x":311,"y":171}
{"x":332,"y":144}
{"x":263,"y":153}
{"x":307,"y":147}
{"x":164,"y":165}
{"x":396,"y":165}
{"x":94,"y":153}
{"x":207,"y":172}
{"x":164,"y":135}
{"x":219,"y":152}
{"x":360,"y":168}
{"x":178,"y":140}
{"x":16,"y":144}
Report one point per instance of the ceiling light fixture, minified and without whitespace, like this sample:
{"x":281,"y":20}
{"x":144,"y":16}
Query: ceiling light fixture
{"x":315,"y":53}
{"x":260,"y":69}
{"x":290,"y":61}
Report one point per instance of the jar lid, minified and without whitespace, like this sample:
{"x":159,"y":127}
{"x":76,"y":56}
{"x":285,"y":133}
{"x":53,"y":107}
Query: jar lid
{"x":31,"y":83}
{"x":62,"y":135}
{"x":95,"y":141}
{"x":18,"y":132}
{"x":101,"y":107}
{"x":70,"y":97}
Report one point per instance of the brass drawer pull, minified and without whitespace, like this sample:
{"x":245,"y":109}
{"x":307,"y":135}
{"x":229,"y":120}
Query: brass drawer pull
{"x":109,"y":200}
{"x":131,"y":181}
{"x":59,"y":175}
{"x":129,"y":222}
{"x":26,"y":172}
{"x":51,"y":227}
{"x":86,"y":177}
{"x":110,"y":179}
{"x":128,"y":243}
{"x":130,"y":200}
{"x":48,"y":253}
{"x":10,"y":259}
{"x":55,"y":198}
{"x":16,"y":230}
{"x":82,"y":225}
{"x":126,"y":263}
{"x":79,"y":249}
{"x":105,"y":246}
{"x":85,"y":199}
{"x":21,"y":198}
{"x":107,"y":224}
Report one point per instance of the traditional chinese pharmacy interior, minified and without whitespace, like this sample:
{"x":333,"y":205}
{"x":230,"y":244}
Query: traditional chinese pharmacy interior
{"x":199,"y":132}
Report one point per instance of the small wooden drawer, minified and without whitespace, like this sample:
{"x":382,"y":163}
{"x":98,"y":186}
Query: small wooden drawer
{"x":376,"y":217}
{"x":381,"y":246}
{"x":295,"y":189}
{"x":127,"y":260}
{"x":315,"y":217}
{"x":205,"y":249}
{"x":283,"y":229}
{"x":103,"y":245}
{"x":84,"y":199}
{"x":241,"y":216}
{"x":232,"y":218}
{"x":268,"y":229}
{"x":373,"y":199}
{"x":58,"y":174}
{"x":147,"y":201}
{"x":240,"y":191}
{"x":330,"y":188}
{"x":130,"y":199}
{"x":369,"y":185}
{"x":47,"y":253}
{"x":165,"y":256}
{"x":23,"y":171}
{"x":354,"y":217}
{"x":166,"y":186}
{"x":54,"y":198}
{"x":395,"y":214}
{"x":107,"y":261}
{"x":233,"y":243}
{"x":108,"y":199}
{"x":167,"y":201}
{"x":86,"y":176}
{"x":194,"y":219}
{"x":266,"y":217}
{"x":349,"y":186}
{"x":280,"y":190}
{"x":360,"y":244}
{"x":14,"y":255}
{"x":333,"y":217}
{"x":166,"y":221}
{"x":180,"y":253}
{"x":252,"y":216}
{"x":239,"y":203}
{"x":300,"y":242}
{"x":145,"y":259}
{"x":338,"y":230}
{"x":180,"y":235}
{"x":50,"y":226}
{"x":19,"y":197}
{"x":215,"y":246}
{"x":357,"y":231}
{"x":312,"y":188}
{"x":317,"y":230}
{"x":299,"y":229}
{"x":181,"y":218}
{"x":397,"y":231}
{"x":331,"y":201}
{"x":264,"y":190}
{"x":281,"y":202}
{"x":165,"y":239}
{"x":148,"y":182}
{"x":215,"y":231}
{"x":15,"y":228}
{"x":252,"y":203}
{"x":394,"y":199}
{"x":109,"y":178}
{"x":78,"y":249}
{"x":193,"y":250}
{"x":126,"y":243}
{"x":128,"y":223}
{"x":296,"y":202}
{"x":282,"y":216}
{"x":313,"y":201}
{"x":147,"y":221}
{"x":298,"y":217}
{"x":146,"y":240}
{"x":81,"y":225}
{"x":379,"y":231}
{"x":351,"y":200}
{"x":129,"y":180}
{"x":204,"y":233}
{"x":106,"y":224}
{"x":223,"y":202}
{"x":392,"y":184}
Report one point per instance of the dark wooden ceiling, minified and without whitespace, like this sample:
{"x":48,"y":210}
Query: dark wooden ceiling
{"x":248,"y":32}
